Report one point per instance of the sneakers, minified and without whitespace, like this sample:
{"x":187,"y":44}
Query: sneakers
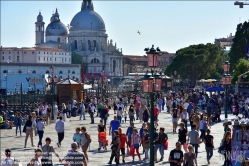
{"x":208,"y":162}
{"x":24,"y":147}
{"x":161,"y":159}
{"x":123,"y":161}
{"x":109,"y":163}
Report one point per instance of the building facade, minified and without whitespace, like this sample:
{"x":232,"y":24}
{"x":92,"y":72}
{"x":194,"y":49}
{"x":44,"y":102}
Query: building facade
{"x":85,"y":36}
{"x":139,"y":64}
{"x":35,"y":55}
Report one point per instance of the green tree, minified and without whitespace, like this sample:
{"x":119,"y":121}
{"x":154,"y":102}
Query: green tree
{"x":76,"y":58}
{"x":241,"y":67}
{"x":198,"y":62}
{"x":238,"y":49}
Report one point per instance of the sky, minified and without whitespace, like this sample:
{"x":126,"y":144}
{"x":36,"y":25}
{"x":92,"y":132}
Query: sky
{"x":169,"y":25}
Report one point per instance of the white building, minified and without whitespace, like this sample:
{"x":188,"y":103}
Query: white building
{"x":86,"y":37}
{"x":35,"y":55}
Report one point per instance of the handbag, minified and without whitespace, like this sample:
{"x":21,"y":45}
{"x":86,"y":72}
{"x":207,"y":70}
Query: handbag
{"x":166,"y":145}
{"x":24,"y":129}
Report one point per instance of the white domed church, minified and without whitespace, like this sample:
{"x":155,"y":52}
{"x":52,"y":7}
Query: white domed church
{"x":86,"y":37}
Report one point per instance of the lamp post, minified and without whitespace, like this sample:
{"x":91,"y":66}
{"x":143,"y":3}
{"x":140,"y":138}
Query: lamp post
{"x":136,"y":79}
{"x":52,"y":80}
{"x":240,"y":4}
{"x":21,"y":92}
{"x":226,"y":80}
{"x":102,"y":80}
{"x":152,"y":83}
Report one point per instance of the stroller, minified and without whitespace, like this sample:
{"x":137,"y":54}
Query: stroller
{"x":103,"y":142}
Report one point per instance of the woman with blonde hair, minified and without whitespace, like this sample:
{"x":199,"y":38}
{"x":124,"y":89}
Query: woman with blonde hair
{"x":36,"y":161}
{"x":189,"y":157}
{"x":34,"y":124}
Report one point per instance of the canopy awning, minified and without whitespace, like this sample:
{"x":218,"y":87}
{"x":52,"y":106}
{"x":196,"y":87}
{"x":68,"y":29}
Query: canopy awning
{"x":87,"y":86}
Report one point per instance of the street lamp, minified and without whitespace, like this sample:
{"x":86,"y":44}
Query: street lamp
{"x":52,"y":80}
{"x":136,"y":86}
{"x":103,"y":80}
{"x":226,"y":80}
{"x":240,"y":4}
{"x":21,"y":92}
{"x":152,"y":83}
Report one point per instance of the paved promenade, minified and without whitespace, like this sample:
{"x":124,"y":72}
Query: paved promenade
{"x":16,"y":144}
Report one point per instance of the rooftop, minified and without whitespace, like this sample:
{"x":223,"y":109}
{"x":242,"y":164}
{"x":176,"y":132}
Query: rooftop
{"x":32,"y":49}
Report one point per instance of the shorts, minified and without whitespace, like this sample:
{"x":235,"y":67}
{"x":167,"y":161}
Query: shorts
{"x":156,"y":147}
{"x":175,"y":120}
{"x":85,"y":146}
{"x":182,"y":141}
{"x":155,"y":118}
{"x":122,"y":151}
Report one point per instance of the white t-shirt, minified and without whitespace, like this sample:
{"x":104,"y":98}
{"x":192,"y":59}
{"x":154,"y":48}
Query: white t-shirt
{"x":184,"y":115}
{"x":8,"y":162}
{"x":45,"y":109}
{"x":120,"y":105}
{"x":185,"y":105}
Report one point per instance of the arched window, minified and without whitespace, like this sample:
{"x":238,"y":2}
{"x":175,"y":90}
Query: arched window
{"x":33,"y":71}
{"x":94,"y":60}
{"x":94,"y":43}
{"x":60,"y":72}
{"x":47,"y":72}
{"x":58,"y":40}
{"x":5,"y":71}
{"x":75,"y":44}
{"x":73,"y":72}
{"x":19,"y":71}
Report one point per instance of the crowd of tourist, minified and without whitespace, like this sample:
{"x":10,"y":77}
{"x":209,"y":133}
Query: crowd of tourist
{"x":192,"y":115}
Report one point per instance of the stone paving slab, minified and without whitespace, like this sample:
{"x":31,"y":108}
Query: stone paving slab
{"x":16,"y":144}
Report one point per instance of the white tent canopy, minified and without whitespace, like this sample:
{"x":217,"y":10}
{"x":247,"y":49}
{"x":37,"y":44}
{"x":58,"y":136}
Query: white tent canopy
{"x":87,"y":86}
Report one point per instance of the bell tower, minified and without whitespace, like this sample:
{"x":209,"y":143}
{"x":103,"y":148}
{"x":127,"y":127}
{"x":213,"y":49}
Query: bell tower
{"x":39,"y":30}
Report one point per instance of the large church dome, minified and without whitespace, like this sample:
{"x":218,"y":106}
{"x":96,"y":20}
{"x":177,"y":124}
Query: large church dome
{"x":87,"y":19}
{"x":56,"y":27}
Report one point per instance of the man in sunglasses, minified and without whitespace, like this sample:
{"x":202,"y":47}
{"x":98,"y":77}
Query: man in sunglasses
{"x":176,"y":155}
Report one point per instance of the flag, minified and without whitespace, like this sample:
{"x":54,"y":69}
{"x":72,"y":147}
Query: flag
{"x":247,"y":51}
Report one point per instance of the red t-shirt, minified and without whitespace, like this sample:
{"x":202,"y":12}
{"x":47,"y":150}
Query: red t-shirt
{"x":123,"y":140}
{"x":156,"y":111}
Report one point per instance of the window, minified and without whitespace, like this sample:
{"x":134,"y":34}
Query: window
{"x":39,"y":58}
{"x":75,"y":44}
{"x":44,"y":58}
{"x":17,"y":52}
{"x":44,"y":53}
{"x":65,"y":59}
{"x":3,"y":52}
{"x":54,"y":59}
{"x":47,"y":58}
{"x":24,"y":52}
{"x":55,"y":53}
{"x":9,"y":52}
{"x":50,"y":59}
{"x":69,"y":59}
{"x":39,"y":52}
{"x":9,"y":57}
{"x":62,"y":59}
{"x":33,"y":52}
{"x":94,"y":60}
{"x":59,"y":53}
{"x":18,"y":58}
{"x":58,"y":40}
{"x":3,"y":58}
{"x":47,"y":52}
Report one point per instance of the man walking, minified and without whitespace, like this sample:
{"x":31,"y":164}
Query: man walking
{"x":193,"y":138}
{"x":75,"y":157}
{"x":92,"y":110}
{"x":114,"y":125}
{"x":60,"y":127}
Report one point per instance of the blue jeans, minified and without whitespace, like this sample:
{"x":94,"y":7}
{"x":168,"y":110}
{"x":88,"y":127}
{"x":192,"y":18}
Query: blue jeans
{"x":196,"y":148}
{"x":137,"y":114}
{"x":168,"y":108}
{"x":20,"y":128}
{"x":159,"y":106}
{"x":40,"y":133}
{"x":83,"y":114}
{"x":119,"y":119}
{"x":161,"y":149}
{"x":104,"y":119}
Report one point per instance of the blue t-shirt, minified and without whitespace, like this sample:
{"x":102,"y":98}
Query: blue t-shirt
{"x":155,"y":136}
{"x":115,"y":125}
{"x":141,"y":132}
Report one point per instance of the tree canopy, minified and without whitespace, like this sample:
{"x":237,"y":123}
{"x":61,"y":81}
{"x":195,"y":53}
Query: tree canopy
{"x":241,"y":67}
{"x":198,"y":62}
{"x":76,"y":58}
{"x":238,"y":49}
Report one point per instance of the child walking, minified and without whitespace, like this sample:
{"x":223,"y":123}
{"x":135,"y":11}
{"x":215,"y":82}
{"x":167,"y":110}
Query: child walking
{"x":76,"y":136}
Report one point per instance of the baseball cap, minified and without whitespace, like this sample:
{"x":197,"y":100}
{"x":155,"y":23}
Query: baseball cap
{"x":74,"y":144}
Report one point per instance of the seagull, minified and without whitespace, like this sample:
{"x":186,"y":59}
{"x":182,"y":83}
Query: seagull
{"x":68,"y":26}
{"x":139,"y":32}
{"x":158,"y":49}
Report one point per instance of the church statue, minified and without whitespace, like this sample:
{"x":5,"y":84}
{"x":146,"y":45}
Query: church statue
{"x":111,"y":42}
{"x":115,"y":45}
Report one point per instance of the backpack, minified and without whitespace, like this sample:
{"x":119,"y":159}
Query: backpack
{"x":88,"y":138}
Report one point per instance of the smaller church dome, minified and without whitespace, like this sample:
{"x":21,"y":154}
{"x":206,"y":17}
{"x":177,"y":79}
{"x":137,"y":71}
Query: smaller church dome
{"x":39,"y":17}
{"x":56,"y":27}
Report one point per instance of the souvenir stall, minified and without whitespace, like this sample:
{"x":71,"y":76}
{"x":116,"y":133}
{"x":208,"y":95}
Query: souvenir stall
{"x":240,"y":142}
